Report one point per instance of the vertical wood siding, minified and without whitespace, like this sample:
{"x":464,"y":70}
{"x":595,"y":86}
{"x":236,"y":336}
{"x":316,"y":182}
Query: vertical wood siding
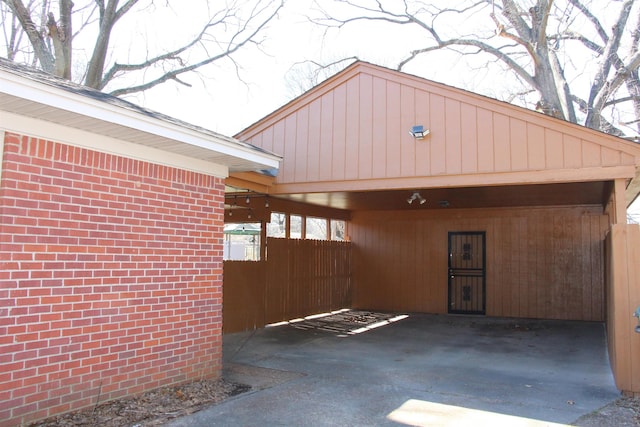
{"x":541,"y":263}
{"x":357,"y":129}
{"x":300,"y":278}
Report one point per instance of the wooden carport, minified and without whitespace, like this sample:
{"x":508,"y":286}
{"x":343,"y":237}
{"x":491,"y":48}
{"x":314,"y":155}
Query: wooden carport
{"x":547,"y":197}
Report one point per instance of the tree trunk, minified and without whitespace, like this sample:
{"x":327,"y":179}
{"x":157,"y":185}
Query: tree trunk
{"x":550,"y":102}
{"x":61,"y":38}
{"x":95,"y":68}
{"x":548,"y":74}
{"x":66,"y":30}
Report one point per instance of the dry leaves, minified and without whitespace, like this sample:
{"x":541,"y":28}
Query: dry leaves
{"x":151,"y":408}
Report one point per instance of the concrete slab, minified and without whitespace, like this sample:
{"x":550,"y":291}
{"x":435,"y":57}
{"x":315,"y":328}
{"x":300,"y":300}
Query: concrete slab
{"x":422,"y":370}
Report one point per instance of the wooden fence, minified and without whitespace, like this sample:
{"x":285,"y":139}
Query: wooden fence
{"x":299,"y":278}
{"x":623,"y":298}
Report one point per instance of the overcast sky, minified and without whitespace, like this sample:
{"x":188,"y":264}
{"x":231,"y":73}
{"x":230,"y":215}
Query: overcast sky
{"x":227,"y":105}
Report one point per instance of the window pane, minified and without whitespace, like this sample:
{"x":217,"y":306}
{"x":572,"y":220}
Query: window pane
{"x":316,"y":228}
{"x":242,"y":242}
{"x":337,"y":229}
{"x":296,"y":227}
{"x":278,"y":225}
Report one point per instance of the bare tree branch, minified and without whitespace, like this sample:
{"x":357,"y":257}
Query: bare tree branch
{"x":595,"y":21}
{"x":11,"y":30}
{"x":61,"y":38}
{"x":238,"y":26}
{"x":42,"y":53}
{"x":619,"y":100}
{"x":230,"y":48}
{"x":600,"y":88}
{"x":633,"y":81}
{"x":539,"y":55}
{"x":304,"y":75}
{"x":607,"y":126}
{"x":499,"y":54}
{"x":109,"y":16}
{"x":571,"y":35}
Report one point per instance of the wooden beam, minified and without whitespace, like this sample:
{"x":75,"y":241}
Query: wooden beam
{"x":237,"y":216}
{"x":620,"y":201}
{"x":469,"y":180}
{"x":238,"y":210}
{"x":251,"y":181}
{"x":306,"y":209}
{"x":633,"y":188}
{"x":616,"y":206}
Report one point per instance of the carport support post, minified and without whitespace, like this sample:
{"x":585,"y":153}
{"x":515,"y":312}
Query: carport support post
{"x":623,"y":297}
{"x":263,"y":240}
{"x":618,"y":203}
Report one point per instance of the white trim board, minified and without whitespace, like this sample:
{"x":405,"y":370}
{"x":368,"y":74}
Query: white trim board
{"x":78,"y":138}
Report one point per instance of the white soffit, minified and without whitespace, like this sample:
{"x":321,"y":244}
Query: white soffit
{"x":121,"y":120}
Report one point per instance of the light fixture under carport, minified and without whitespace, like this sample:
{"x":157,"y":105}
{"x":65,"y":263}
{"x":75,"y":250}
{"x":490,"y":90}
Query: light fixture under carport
{"x":416,"y":196}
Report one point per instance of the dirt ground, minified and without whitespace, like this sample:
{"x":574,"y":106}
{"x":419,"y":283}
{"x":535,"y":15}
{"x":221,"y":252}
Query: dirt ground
{"x":153,"y":408}
{"x":624,"y":412}
{"x":160,"y":406}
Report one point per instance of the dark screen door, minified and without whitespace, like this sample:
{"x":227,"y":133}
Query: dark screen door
{"x":467,"y":272}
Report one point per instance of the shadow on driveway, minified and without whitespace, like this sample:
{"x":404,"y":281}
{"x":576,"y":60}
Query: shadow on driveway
{"x":418,"y":370}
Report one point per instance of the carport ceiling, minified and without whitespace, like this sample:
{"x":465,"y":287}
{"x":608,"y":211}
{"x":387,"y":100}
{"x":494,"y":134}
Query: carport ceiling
{"x":581,"y":193}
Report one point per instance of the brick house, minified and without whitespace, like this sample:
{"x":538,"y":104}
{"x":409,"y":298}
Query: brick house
{"x":111,"y":221}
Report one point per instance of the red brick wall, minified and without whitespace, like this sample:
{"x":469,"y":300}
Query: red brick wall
{"x":110,"y":277}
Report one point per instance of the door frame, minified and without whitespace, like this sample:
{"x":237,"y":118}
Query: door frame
{"x":483,"y":275}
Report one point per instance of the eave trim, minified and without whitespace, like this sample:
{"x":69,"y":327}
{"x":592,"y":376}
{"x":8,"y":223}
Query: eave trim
{"x":54,"y":97}
{"x":78,"y":138}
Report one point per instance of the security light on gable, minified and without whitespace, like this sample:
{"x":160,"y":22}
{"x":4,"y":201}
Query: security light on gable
{"x":419,"y":132}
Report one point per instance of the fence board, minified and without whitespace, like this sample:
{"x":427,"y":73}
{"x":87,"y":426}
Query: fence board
{"x":243,"y":295}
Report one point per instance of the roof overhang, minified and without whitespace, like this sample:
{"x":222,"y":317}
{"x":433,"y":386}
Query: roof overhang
{"x":37,"y":106}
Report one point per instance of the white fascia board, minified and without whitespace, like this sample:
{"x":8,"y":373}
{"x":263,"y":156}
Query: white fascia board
{"x":66,"y":100}
{"x":42,"y":129}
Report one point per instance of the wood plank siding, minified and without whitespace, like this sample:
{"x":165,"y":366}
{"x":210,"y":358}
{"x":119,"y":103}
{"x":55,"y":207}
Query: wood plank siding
{"x":354,"y":128}
{"x":542,"y":263}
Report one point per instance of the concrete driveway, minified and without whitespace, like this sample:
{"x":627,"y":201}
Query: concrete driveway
{"x":423,"y":370}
